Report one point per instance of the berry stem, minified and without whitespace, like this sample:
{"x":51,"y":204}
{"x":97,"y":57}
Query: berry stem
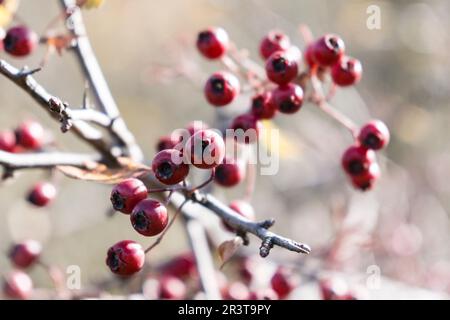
{"x":203,"y":184}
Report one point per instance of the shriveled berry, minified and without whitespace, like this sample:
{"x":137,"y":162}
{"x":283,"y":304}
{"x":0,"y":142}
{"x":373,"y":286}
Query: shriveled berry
{"x":126,"y":194}
{"x":281,"y":68}
{"x":263,"y":294}
{"x":221,"y":88}
{"x":244,"y":209}
{"x":168,"y":167}
{"x":229,"y":173}
{"x":20,"y":41}
{"x":357,"y":160}
{"x":328,"y":50}
{"x":272,"y":42}
{"x":263,"y":106}
{"x":367,"y":179}
{"x":237,"y":291}
{"x":213,"y":43}
{"x":26,"y":253}
{"x":125,"y":258}
{"x":347,"y":72}
{"x":205,"y":149}
{"x":7,"y":141}
{"x":288,"y":98}
{"x":246,"y":128}
{"x":180,"y":266}
{"x":42,"y":194}
{"x":30,"y":135}
{"x":149,"y":217}
{"x":374,"y":135}
{"x":283,"y":282}
{"x":172,"y":288}
{"x":17,"y":285}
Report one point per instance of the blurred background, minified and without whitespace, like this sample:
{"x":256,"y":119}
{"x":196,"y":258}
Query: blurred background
{"x":402,"y":226}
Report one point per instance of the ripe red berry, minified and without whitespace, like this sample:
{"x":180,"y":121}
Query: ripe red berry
{"x":272,"y":42}
{"x":229,"y":173}
{"x":195,"y":126}
{"x":30,"y":134}
{"x":357,"y":160}
{"x":167,"y":142}
{"x":374,"y":135}
{"x":246,"y":128}
{"x":213,"y":43}
{"x":125,"y":258}
{"x":172,"y":288}
{"x":236,"y":291}
{"x":42,"y":194}
{"x":281,"y":68}
{"x":289,"y":98}
{"x":346,"y":72}
{"x":205,"y":149}
{"x":126,"y":194}
{"x":17,"y":285}
{"x":181,"y":266}
{"x":149,"y":217}
{"x":247,"y":267}
{"x":263,"y":106}
{"x":283,"y":282}
{"x":333,"y":289}
{"x":221,"y":88}
{"x":24,"y":254}
{"x":244,"y":209}
{"x":264,"y":294}
{"x":7,"y":141}
{"x":366,"y":180}
{"x":20,"y":41}
{"x":168,"y":167}
{"x":328,"y":50}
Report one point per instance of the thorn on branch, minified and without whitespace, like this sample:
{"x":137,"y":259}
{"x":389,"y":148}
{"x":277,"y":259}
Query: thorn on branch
{"x":25,"y":72}
{"x":244,"y":236}
{"x":61,"y":108}
{"x":266,"y":245}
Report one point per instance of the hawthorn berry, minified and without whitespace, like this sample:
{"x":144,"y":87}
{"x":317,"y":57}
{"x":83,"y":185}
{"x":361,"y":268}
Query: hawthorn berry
{"x":263,"y":294}
{"x":283,"y":282}
{"x":374,"y":135}
{"x":17,"y":285}
{"x":244,"y":209}
{"x":328,"y":50}
{"x":125,"y":258}
{"x":346,"y":72}
{"x":288,"y":98}
{"x":246,"y":128}
{"x":24,"y":254}
{"x":205,"y":149}
{"x":30,"y":135}
{"x":195,"y":126}
{"x":236,"y":291}
{"x":149,"y":217}
{"x":281,"y":68}
{"x":221,"y":88}
{"x":213,"y":43}
{"x":229,"y":173}
{"x":263,"y":106}
{"x":126,"y":194}
{"x":333,"y":288}
{"x":7,"y":141}
{"x":247,"y":268}
{"x":357,"y":160}
{"x":167,"y":142}
{"x":42,"y":194}
{"x":168,"y":167}
{"x":172,"y":288}
{"x":366,"y":180}
{"x":272,"y":42}
{"x":20,"y":41}
{"x":181,"y":266}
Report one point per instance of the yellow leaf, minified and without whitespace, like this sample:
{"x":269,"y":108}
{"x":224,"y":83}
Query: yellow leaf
{"x":92,"y":4}
{"x":287,"y":148}
{"x":7,"y":10}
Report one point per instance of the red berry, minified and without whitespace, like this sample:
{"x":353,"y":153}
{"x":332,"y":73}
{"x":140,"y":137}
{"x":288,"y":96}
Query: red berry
{"x":167,"y":142}
{"x":205,"y":149}
{"x":20,"y":41}
{"x":221,"y":88}
{"x":181,"y":266}
{"x":281,"y":68}
{"x":168,"y":167}
{"x":374,"y":135}
{"x":333,"y":289}
{"x":229,"y":173}
{"x":237,"y":291}
{"x":328,"y":50}
{"x":18,"y":285}
{"x":357,"y":160}
{"x":247,"y":267}
{"x":30,"y":134}
{"x":126,"y":194}
{"x":264,"y":294}
{"x":213,"y":43}
{"x":7,"y":141}
{"x":149,"y":217}
{"x":283,"y":282}
{"x":272,"y":42}
{"x":125,"y":258}
{"x":24,"y":254}
{"x":366,"y":180}
{"x":42,"y":194}
{"x":346,"y":72}
{"x":244,"y":209}
{"x":195,"y":126}
{"x":289,"y":98}
{"x":246,"y":128}
{"x":263,"y":106}
{"x":172,"y":288}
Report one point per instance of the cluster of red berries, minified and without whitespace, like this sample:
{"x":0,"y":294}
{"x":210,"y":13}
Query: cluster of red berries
{"x":17,"y":284}
{"x":20,"y":41}
{"x":359,"y":161}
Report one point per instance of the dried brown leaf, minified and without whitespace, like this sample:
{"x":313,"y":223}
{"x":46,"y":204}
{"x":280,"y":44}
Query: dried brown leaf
{"x":228,"y":248}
